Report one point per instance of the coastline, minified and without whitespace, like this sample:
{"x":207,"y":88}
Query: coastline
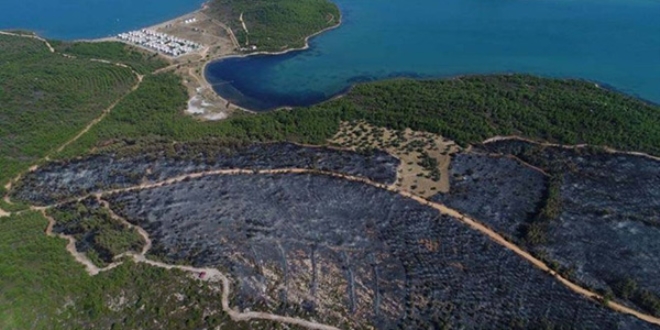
{"x":203,"y":63}
{"x":285,"y":51}
{"x":267,"y":53}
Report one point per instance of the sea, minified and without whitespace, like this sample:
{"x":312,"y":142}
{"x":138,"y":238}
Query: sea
{"x":615,"y":43}
{"x":89,"y":19}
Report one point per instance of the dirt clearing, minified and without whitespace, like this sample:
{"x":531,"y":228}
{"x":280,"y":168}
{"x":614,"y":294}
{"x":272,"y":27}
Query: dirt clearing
{"x":425,"y":157}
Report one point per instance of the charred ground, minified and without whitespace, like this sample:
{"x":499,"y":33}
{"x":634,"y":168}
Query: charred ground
{"x":345,"y":252}
{"x":592,"y":214}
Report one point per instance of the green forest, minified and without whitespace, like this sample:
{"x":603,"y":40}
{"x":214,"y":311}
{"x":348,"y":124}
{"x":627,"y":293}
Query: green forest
{"x":116,"y":52}
{"x":45,"y":99}
{"x":275,"y":25}
{"x":467,"y":110}
{"x":473,"y":108}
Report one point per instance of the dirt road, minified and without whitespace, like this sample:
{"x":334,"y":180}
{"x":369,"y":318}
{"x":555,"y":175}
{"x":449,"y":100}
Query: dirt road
{"x":31,"y":36}
{"x":212,"y":274}
{"x":104,"y":113}
{"x":564,"y":146}
{"x":472,"y":223}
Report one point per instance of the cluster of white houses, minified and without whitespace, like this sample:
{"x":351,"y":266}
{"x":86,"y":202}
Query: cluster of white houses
{"x":160,"y":42}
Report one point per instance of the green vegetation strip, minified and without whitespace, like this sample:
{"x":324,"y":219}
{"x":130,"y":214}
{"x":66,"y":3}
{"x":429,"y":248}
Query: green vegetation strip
{"x":92,"y":225}
{"x":142,"y":62}
{"x":275,"y":25}
{"x":472,"y":109}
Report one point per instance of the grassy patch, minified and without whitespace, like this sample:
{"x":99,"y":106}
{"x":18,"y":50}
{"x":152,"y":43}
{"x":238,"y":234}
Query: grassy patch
{"x":155,"y":111}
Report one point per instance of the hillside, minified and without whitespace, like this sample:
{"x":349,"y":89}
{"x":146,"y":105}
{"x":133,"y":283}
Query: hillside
{"x":275,"y":25}
{"x":473,"y":108}
{"x":237,"y":224}
{"x":47,"y":98}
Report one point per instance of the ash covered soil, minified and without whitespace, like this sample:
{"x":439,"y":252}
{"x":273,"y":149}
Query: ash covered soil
{"x":72,"y":178}
{"x":343,"y":248}
{"x":498,"y":190}
{"x":607,"y":232}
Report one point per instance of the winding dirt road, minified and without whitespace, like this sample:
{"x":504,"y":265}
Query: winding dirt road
{"x":216,"y":275}
{"x":572,"y":147}
{"x":87,"y":127}
{"x":31,"y":36}
{"x":212,"y":274}
{"x":104,"y":113}
{"x":472,"y":223}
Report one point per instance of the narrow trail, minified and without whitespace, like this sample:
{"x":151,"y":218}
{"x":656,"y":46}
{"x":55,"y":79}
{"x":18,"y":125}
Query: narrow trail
{"x":229,"y":31}
{"x":443,"y":209}
{"x":87,"y":127}
{"x":90,"y":267}
{"x":570,"y":147}
{"x":211,"y":274}
{"x":31,"y":36}
{"x":104,"y":113}
{"x":240,"y":18}
{"x":142,"y":232}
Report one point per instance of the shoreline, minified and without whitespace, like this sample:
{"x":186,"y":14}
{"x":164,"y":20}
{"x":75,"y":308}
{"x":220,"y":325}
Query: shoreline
{"x":267,"y":53}
{"x":205,"y":83}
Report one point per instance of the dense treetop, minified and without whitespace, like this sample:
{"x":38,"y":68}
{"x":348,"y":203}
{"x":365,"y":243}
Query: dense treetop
{"x":471,"y":109}
{"x":139,"y":60}
{"x":274,"y":25}
{"x":46,"y":98}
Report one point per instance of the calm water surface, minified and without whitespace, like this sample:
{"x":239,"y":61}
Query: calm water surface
{"x":614,"y":42}
{"x":86,"y":19}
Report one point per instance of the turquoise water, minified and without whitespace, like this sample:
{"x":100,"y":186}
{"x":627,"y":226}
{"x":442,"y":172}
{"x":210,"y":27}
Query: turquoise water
{"x":86,"y":19}
{"x":614,"y":42}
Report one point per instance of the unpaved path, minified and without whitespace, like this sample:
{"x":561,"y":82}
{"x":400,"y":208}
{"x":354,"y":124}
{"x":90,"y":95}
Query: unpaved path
{"x":90,"y":267}
{"x":240,"y":18}
{"x":4,"y":213}
{"x":104,"y":113}
{"x":91,"y":124}
{"x":142,"y":232}
{"x":573,"y":147}
{"x":229,"y":31}
{"x":472,"y":223}
{"x":31,"y":36}
{"x":212,"y":274}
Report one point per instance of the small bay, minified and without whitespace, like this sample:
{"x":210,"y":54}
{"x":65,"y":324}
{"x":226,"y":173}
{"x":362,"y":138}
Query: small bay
{"x":612,"y":42}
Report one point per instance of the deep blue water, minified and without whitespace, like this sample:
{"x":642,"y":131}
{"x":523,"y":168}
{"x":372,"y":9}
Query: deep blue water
{"x":614,"y":42}
{"x":86,"y":19}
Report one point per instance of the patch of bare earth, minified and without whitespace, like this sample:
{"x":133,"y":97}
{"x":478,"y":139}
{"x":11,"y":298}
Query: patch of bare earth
{"x":425,"y":157}
{"x":217,"y":41}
